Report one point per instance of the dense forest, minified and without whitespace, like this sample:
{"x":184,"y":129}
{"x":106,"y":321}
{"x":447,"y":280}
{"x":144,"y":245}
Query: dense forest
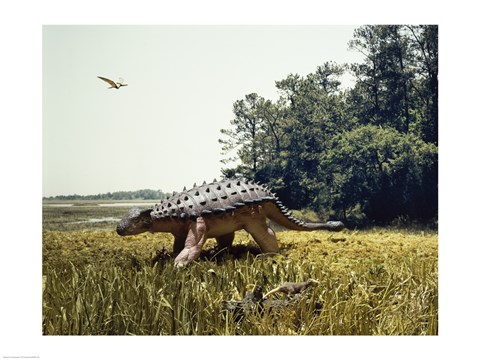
{"x":367,"y":154}
{"x":145,"y":194}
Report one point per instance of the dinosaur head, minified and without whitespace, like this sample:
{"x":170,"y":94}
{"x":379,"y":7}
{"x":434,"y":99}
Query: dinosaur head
{"x":312,"y":282}
{"x":136,"y":221}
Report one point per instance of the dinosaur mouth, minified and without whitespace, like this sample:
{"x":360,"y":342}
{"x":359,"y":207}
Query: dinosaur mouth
{"x":120,"y":230}
{"x":130,"y":229}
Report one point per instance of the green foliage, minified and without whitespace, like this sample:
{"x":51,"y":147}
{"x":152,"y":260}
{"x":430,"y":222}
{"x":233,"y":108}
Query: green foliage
{"x":366,"y":154}
{"x":397,"y":84}
{"x":380,"y":169}
{"x":256,"y":135}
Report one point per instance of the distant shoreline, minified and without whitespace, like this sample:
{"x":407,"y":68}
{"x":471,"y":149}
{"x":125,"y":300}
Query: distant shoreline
{"x":100,"y":203}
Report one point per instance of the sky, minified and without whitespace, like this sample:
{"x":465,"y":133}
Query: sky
{"x":162,"y":130}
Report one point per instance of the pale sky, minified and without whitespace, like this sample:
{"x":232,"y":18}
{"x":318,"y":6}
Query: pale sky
{"x":162,"y":130}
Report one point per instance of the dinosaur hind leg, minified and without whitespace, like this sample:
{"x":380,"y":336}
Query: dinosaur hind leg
{"x":264,"y":236}
{"x":225,"y":241}
{"x":178,"y":244}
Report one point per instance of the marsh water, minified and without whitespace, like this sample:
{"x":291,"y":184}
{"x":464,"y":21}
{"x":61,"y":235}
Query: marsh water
{"x":86,"y":215}
{"x":131,"y":204}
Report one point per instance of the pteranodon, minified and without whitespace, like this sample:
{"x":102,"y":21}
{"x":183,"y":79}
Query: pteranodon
{"x":112,"y":83}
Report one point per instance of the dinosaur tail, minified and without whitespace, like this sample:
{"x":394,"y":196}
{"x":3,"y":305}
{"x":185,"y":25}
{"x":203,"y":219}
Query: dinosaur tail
{"x":282,"y":216}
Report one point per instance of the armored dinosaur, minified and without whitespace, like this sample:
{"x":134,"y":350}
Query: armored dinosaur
{"x":217,"y":210}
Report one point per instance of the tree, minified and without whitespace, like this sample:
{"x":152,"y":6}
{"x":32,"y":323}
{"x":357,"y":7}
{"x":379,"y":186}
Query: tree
{"x":317,"y":111}
{"x":381,"y":171}
{"x":424,"y":39}
{"x":257,"y":137}
{"x":245,"y":136}
{"x":397,"y":84}
{"x":383,"y":77}
{"x":370,"y":150}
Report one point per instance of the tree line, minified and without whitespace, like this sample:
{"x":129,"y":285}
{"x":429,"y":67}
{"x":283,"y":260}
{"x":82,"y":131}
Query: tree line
{"x":144,"y":194}
{"x":365,"y":154}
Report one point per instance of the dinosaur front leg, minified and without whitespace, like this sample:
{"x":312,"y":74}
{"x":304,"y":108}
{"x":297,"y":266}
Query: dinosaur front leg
{"x":193,"y":244}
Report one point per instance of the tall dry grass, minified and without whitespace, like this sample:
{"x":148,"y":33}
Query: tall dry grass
{"x":376,"y":282}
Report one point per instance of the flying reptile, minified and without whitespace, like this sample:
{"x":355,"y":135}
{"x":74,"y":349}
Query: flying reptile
{"x":112,"y":83}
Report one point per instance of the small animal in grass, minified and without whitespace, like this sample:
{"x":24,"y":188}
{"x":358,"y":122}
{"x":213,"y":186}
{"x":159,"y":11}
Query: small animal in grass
{"x":292,"y":288}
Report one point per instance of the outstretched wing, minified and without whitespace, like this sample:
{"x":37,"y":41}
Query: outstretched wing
{"x":121,"y":82}
{"x":112,"y":83}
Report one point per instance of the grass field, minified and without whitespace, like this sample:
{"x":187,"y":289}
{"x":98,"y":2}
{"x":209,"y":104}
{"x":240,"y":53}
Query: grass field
{"x":375,"y":282}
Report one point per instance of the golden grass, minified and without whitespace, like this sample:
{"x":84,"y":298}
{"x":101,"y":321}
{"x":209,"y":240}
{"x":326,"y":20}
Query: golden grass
{"x":376,"y":282}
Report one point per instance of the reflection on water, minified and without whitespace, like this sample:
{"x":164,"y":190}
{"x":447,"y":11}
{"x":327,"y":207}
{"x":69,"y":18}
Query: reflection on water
{"x":58,"y":205}
{"x":131,"y":204}
{"x":106,"y":219}
{"x":127,"y":204}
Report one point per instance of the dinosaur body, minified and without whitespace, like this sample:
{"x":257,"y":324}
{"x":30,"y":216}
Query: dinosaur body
{"x":217,"y":210}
